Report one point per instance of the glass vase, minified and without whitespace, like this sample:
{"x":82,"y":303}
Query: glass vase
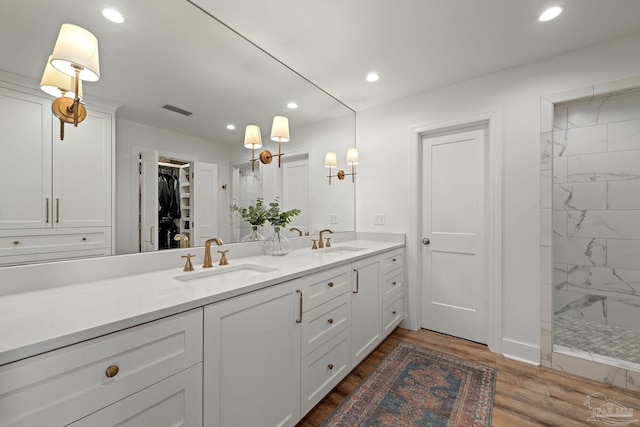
{"x":254,"y":236}
{"x":278,"y":244}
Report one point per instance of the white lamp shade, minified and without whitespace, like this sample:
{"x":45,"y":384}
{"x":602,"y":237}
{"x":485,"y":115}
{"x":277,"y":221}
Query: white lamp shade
{"x":352,"y":156}
{"x":280,"y":129}
{"x":55,"y":83}
{"x":76,"y":46}
{"x":252,"y":137}
{"x":330,"y":161}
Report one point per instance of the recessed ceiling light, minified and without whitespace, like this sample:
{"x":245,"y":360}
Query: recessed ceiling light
{"x":550,"y":14}
{"x":292,"y":105}
{"x":372,"y":77}
{"x":231,"y":126}
{"x":113,"y":16}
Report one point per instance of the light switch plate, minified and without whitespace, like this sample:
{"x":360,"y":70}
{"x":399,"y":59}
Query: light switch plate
{"x":378,"y":219}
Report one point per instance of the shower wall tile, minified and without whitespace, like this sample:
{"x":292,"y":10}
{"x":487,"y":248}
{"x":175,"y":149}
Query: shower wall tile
{"x":560,"y":170}
{"x":560,"y":223}
{"x":623,"y":312}
{"x":623,"y":194}
{"x":545,"y":189}
{"x":623,"y":135}
{"x":617,"y":165}
{"x":546,"y":227}
{"x":578,"y":305}
{"x":545,"y":150}
{"x":580,"y":251}
{"x":604,"y":280}
{"x":584,"y":113}
{"x":589,"y":369}
{"x":584,"y":195}
{"x":582,"y":140}
{"x":560,"y":276}
{"x":623,"y":254}
{"x":614,"y":224}
{"x":619,"y":108}
{"x":560,"y":118}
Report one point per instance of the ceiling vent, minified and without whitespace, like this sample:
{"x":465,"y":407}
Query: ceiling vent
{"x":177,"y":110}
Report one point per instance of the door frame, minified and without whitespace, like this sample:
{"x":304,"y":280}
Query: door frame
{"x":494,"y":170}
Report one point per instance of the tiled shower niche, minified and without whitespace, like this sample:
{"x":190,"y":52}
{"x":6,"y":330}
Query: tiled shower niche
{"x":595,"y":220}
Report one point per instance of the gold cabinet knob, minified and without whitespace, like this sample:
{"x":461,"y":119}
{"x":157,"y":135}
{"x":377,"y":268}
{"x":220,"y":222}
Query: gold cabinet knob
{"x":84,"y":239}
{"x":393,"y":260}
{"x":394,"y":283}
{"x":393,"y":312}
{"x":330,"y":366}
{"x":330,"y":284}
{"x":16,"y":242}
{"x":330,"y":321}
{"x":112,"y":371}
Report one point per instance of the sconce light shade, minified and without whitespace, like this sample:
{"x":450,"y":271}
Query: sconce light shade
{"x":280,"y":129}
{"x":330,"y":160}
{"x":76,"y":46}
{"x":56,"y":83}
{"x":252,"y":137}
{"x":352,"y":156}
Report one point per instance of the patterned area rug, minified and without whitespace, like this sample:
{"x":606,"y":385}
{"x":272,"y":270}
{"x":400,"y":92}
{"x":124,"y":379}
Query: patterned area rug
{"x":415,"y":386}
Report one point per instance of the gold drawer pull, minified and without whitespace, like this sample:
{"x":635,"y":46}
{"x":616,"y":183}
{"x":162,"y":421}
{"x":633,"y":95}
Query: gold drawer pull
{"x":393,"y":260}
{"x":84,"y":239}
{"x":394,"y":283}
{"x":299,"y":319}
{"x":16,"y":242}
{"x":112,"y":371}
{"x":330,"y":366}
{"x":330,"y":284}
{"x":330,"y":321}
{"x":393,"y":312}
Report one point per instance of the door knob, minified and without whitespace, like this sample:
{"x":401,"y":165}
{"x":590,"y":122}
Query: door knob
{"x":426,"y":241}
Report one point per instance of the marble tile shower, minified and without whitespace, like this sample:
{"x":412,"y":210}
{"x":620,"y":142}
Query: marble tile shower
{"x":593,"y":159}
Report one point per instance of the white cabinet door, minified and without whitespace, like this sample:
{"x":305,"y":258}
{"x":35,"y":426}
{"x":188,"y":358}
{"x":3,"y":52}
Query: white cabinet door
{"x":176,"y":401}
{"x":366,"y":303}
{"x":252,"y":359}
{"x":25,"y":149}
{"x":82,"y":174}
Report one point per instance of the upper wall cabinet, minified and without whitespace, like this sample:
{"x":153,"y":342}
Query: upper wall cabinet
{"x":57,"y":195}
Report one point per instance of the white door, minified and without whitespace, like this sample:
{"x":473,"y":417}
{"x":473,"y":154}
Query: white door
{"x":82,"y":173}
{"x":149,"y":200}
{"x":453,"y":258}
{"x":204,"y":209}
{"x":295,"y":192}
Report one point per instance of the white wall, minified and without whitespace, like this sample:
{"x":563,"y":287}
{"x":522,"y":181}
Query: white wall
{"x":130,"y":134}
{"x":384,"y":140}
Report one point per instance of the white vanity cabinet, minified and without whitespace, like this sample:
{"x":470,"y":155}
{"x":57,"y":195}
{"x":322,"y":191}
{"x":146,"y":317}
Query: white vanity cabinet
{"x":392,"y":266}
{"x":252,"y":359}
{"x":143,"y":371}
{"x":57,"y":197}
{"x":366,"y":299}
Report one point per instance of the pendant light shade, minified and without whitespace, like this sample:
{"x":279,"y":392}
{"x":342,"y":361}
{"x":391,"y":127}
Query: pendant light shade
{"x":76,"y":49}
{"x":58,"y":84}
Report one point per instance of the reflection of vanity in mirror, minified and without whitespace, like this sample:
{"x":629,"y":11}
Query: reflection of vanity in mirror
{"x":97,"y":192}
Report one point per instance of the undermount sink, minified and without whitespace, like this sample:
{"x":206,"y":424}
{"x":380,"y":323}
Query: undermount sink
{"x":341,"y":249}
{"x":236,"y":273}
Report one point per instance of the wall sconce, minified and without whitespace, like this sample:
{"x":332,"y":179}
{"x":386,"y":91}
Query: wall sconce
{"x":76,"y":55}
{"x":280,"y":133}
{"x":252,"y":140}
{"x":330,"y":161}
{"x":58,"y":84}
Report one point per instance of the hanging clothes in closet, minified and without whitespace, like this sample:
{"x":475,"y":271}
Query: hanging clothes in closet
{"x":168,"y":209}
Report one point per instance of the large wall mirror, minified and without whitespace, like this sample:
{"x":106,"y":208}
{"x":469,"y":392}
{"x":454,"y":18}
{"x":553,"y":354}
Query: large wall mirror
{"x":172,"y":52}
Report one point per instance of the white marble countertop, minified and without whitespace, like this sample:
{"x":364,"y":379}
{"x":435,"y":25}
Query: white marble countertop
{"x":38,"y":321}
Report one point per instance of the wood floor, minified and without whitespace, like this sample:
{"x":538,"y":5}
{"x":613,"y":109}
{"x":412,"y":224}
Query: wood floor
{"x":525,"y":395}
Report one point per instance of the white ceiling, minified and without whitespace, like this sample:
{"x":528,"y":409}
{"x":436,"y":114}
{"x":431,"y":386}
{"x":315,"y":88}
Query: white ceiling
{"x":417,"y":45}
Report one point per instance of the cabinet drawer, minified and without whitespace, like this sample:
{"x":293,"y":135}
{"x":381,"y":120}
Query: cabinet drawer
{"x":176,"y":401}
{"x":324,"y":286}
{"x":393,"y":314}
{"x":324,"y":369}
{"x":392,"y":260}
{"x":64,"y":385}
{"x":392,"y":284}
{"x":324,"y":322}
{"x":13,"y":244}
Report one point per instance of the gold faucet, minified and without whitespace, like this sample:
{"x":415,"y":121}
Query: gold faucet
{"x":296,"y":229}
{"x":207,"y":251}
{"x":185,"y":240}
{"x":321,"y":242}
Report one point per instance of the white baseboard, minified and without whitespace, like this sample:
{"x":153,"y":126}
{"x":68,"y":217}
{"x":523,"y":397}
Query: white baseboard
{"x":526,"y":353}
